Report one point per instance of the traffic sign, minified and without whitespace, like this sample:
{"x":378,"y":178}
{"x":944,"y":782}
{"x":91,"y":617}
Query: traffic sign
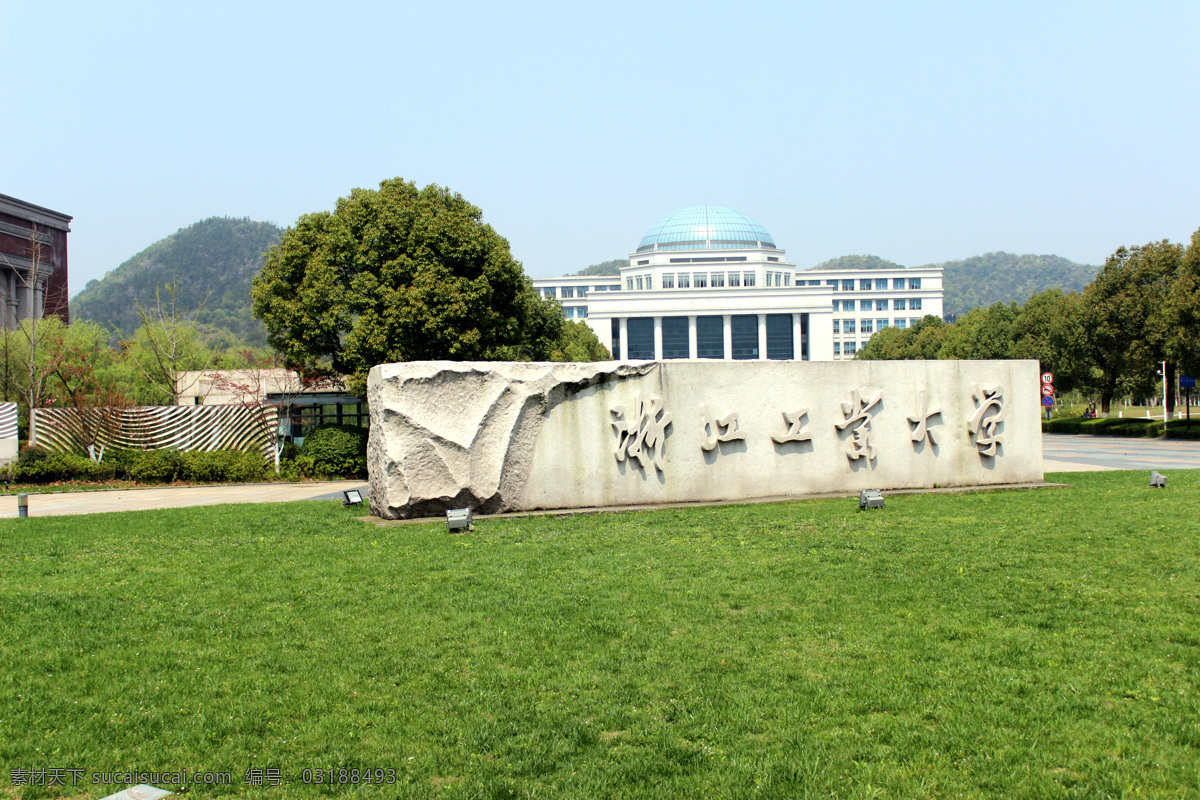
{"x":1048,"y":389}
{"x":1047,"y":401}
{"x":1047,"y":377}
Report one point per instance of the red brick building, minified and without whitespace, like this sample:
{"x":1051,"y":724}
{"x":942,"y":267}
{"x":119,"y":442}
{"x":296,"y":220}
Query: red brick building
{"x":33,"y":261}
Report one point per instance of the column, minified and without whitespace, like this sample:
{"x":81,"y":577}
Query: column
{"x":797,"y":343}
{"x":727,"y":335}
{"x":658,"y":350}
{"x":762,"y":337}
{"x":693,"y":349}
{"x":624,"y":323}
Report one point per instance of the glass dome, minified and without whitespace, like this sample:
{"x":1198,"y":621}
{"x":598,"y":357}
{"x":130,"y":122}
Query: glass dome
{"x":705,"y":228}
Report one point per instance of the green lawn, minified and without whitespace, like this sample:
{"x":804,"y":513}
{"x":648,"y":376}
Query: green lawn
{"x":1023,"y":644}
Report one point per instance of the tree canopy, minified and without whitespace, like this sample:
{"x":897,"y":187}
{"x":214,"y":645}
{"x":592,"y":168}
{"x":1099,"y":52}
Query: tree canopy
{"x":399,"y":274}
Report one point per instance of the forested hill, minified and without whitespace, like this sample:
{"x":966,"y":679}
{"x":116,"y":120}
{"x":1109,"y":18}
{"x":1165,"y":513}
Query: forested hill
{"x":858,"y":262}
{"x":213,"y":262}
{"x":605,"y":267}
{"x":1005,"y":278}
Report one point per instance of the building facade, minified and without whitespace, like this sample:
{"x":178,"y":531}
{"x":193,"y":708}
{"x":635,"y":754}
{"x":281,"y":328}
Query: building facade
{"x":708,"y":282}
{"x":33,"y":262}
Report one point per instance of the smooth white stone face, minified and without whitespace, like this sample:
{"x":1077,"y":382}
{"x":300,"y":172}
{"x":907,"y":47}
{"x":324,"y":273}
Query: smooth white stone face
{"x":504,"y":436}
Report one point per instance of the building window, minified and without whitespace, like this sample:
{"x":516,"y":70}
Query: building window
{"x":568,"y":292}
{"x":701,"y":280}
{"x":718,"y":280}
{"x":881,"y":284}
{"x":767,"y":277}
{"x":614,"y":287}
{"x":901,"y":324}
{"x":735,"y":279}
{"x":629,"y":283}
{"x":848,"y":285}
{"x":744,"y":336}
{"x":772,"y":258}
{"x":899,"y":303}
{"x":581,"y":292}
{"x":747,"y":279}
{"x":548,"y":292}
{"x":880,"y":324}
{"x":685,"y":280}
{"x":851,"y":348}
{"x":833,"y":284}
{"x":616,"y":338}
{"x":914,"y":304}
{"x":867,"y":326}
{"x":881,"y":305}
{"x":569,"y":313}
{"x":778,"y":278}
{"x":581,"y":312}
{"x":848,"y":326}
{"x":779,"y":337}
{"x":837,"y":348}
{"x":914,"y":283}
{"x":913,"y":321}
{"x":639,"y":282}
{"x":787,"y":279}
{"x":668,"y":281}
{"x":710,"y":337}
{"x":814,"y":283}
{"x":643,"y":263}
{"x":675,"y":337}
{"x":864,"y":284}
{"x":640,"y":331}
{"x":837,"y":326}
{"x":600,"y":289}
{"x":897,"y":283}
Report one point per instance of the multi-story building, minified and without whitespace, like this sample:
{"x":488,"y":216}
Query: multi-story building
{"x":708,"y":282}
{"x":33,"y":261}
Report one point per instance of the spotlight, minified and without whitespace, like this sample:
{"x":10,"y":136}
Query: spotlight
{"x":870,"y":498}
{"x":459,"y":518}
{"x":352,"y":497}
{"x":1157,"y":479}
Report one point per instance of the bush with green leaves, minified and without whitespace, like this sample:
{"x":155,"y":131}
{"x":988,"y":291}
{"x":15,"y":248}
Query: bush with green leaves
{"x":55,"y":467}
{"x":334,"y":451}
{"x":223,"y":466}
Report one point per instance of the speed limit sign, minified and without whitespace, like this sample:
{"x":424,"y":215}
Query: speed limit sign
{"x":1047,"y":377}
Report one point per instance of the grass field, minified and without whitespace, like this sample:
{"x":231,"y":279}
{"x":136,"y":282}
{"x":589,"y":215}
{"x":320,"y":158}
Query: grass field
{"x":1027,"y":644}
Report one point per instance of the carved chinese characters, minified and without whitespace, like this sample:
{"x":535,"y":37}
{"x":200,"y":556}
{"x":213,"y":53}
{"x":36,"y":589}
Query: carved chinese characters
{"x":641,"y":435}
{"x":858,"y":420}
{"x":794,"y":434}
{"x":921,"y":419}
{"x":984,"y":423}
{"x":716,"y":430}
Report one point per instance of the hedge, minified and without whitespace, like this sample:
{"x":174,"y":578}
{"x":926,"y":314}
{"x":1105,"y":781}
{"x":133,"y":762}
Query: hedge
{"x":334,"y":451}
{"x":143,"y":466}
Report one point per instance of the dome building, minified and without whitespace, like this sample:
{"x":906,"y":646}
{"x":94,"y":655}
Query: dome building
{"x":709,"y":282}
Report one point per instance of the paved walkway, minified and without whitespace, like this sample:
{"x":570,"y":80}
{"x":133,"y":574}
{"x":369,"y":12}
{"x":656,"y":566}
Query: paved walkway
{"x":59,"y":503}
{"x":1060,"y":454}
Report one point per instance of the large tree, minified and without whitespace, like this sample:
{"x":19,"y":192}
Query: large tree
{"x":1125,"y":318}
{"x":399,"y":274}
{"x":1184,"y":336}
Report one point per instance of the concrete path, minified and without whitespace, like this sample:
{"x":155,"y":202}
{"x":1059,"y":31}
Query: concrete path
{"x":1064,"y":453}
{"x":59,"y":503}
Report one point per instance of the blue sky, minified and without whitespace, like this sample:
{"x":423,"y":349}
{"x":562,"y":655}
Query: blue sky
{"x":916,"y":131}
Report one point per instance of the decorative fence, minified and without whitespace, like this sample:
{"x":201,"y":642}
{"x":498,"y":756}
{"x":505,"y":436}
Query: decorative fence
{"x":8,"y":432}
{"x":231,"y":427}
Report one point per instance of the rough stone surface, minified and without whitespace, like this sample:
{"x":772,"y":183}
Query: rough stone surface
{"x":522,"y":436}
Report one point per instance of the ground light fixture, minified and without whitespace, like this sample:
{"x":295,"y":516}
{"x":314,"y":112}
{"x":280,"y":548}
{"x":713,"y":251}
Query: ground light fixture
{"x":352,"y":497}
{"x":870,"y":498}
{"x":459,"y":518}
{"x":1157,"y":479}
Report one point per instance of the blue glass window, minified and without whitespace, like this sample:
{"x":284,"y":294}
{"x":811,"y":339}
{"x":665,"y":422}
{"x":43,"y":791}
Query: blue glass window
{"x":779,"y":337}
{"x":640,"y":331}
{"x":616,"y":338}
{"x":897,"y":283}
{"x":914,"y":283}
{"x":744,"y":335}
{"x":865,"y":284}
{"x":675,"y":337}
{"x":915,"y":304}
{"x":881,"y":284}
{"x":710,"y":337}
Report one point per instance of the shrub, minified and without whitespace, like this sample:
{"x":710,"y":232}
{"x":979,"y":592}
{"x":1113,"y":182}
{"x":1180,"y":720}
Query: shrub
{"x":223,"y":466}
{"x":54,"y":467}
{"x":30,"y":454}
{"x":336,"y":450}
{"x":1062,"y":425}
{"x":1181,"y":430}
{"x":290,"y":451}
{"x":156,"y":466}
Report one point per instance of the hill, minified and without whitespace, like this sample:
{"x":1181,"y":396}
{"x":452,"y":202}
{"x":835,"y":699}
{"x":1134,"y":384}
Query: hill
{"x":858,"y":262}
{"x":605,"y":267}
{"x":213,"y":261}
{"x":1005,"y":278}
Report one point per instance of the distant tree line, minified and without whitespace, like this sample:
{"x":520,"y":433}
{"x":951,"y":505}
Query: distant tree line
{"x":1142,"y":308}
